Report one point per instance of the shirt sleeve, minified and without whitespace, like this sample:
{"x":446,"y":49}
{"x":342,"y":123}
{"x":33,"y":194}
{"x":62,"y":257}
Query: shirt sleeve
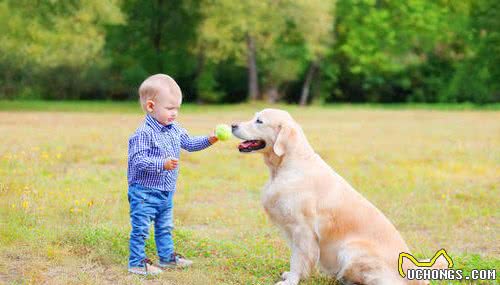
{"x":193,"y":143}
{"x":138,"y":147}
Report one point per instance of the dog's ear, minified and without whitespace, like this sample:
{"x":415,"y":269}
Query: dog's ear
{"x":285,"y":135}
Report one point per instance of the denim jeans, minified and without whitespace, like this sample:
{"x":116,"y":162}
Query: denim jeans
{"x":148,"y":205}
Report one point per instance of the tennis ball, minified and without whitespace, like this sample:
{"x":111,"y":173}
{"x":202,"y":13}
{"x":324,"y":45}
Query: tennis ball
{"x":223,"y":132}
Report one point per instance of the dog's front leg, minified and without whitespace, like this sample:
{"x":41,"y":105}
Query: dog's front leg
{"x":305,"y":254}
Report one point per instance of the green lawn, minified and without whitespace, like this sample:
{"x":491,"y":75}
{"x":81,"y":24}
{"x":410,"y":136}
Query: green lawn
{"x":133,"y":107}
{"x":433,"y":170}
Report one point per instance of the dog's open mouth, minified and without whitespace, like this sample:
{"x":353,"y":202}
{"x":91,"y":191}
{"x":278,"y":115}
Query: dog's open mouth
{"x":251,"y":145}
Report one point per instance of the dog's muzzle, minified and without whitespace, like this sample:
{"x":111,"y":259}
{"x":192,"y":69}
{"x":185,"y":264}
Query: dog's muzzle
{"x":247,"y":145}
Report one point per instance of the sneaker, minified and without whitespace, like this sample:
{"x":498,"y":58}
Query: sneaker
{"x":147,"y":269}
{"x":177,"y":261}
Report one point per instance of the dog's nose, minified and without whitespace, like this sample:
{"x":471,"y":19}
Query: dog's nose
{"x":234,"y":127}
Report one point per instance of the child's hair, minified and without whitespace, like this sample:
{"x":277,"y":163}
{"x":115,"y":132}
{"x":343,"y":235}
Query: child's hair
{"x":151,"y":87}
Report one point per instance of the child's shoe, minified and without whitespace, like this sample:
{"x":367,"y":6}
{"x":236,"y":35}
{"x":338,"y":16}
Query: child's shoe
{"x":147,"y":268}
{"x":177,"y":261}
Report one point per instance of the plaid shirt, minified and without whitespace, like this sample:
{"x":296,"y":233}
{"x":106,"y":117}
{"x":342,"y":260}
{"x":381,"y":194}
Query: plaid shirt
{"x":151,"y":145}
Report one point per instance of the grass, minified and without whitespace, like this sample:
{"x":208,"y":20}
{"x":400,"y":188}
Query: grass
{"x":133,"y":107}
{"x":64,"y":212}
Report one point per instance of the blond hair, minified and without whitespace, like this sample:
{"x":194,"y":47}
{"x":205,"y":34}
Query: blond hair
{"x":151,"y":87}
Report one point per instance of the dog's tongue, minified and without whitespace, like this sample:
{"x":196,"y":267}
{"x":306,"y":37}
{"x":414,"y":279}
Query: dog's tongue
{"x":247,"y":144}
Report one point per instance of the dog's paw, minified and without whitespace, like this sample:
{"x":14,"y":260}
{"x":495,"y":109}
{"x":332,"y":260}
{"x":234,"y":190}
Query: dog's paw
{"x":289,"y":278}
{"x":284,"y":275}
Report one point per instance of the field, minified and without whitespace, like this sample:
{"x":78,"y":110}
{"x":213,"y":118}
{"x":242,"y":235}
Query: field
{"x":63,"y":192}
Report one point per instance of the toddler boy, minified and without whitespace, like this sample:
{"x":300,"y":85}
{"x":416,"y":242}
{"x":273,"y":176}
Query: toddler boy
{"x":153,"y":156}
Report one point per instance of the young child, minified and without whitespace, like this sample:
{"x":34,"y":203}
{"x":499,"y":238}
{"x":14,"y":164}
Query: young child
{"x":153,"y":157}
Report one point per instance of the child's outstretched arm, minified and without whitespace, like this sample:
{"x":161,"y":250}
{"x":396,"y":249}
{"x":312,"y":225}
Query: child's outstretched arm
{"x":196,"y":143}
{"x":138,"y":147}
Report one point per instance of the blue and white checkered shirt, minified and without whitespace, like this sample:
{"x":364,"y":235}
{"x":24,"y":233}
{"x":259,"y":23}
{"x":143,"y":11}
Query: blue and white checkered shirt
{"x":151,"y":145}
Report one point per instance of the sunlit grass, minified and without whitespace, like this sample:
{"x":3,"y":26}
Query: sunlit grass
{"x":64,"y":211}
{"x":133,"y":107}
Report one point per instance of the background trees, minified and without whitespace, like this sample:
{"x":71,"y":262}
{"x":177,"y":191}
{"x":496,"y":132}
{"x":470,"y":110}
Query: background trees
{"x":231,"y":51}
{"x":54,"y":49}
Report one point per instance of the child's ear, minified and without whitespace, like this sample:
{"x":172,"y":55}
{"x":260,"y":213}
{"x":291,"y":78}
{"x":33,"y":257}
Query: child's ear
{"x":150,"y":105}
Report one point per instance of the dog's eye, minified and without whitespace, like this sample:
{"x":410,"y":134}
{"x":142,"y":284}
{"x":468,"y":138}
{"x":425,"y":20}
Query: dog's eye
{"x":258,"y":121}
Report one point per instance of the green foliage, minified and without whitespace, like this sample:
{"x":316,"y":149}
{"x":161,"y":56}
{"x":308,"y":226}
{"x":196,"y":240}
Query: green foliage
{"x":207,"y":86}
{"x":55,"y":33}
{"x":40,"y":39}
{"x":476,"y":76}
{"x":365,"y":50}
{"x":157,"y":37}
{"x":285,"y":34}
{"x":382,"y":45}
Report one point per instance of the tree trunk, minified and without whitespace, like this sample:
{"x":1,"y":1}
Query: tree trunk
{"x":253,"y":84}
{"x":304,"y":96}
{"x":272,"y":94}
{"x":8,"y":88}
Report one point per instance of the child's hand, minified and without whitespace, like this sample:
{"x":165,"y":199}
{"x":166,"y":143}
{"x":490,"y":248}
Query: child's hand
{"x":212,"y":138}
{"x":171,"y":164}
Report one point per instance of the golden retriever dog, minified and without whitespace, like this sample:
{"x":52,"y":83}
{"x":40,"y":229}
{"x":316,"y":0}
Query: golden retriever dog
{"x":325,"y":221}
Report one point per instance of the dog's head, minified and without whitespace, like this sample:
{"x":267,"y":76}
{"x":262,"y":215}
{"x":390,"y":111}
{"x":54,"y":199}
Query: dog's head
{"x":270,"y":130}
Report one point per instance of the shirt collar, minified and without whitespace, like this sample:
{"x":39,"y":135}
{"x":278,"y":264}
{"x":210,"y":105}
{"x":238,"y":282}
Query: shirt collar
{"x":155,"y":125}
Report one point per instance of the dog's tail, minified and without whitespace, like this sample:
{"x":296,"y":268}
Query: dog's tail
{"x":361,"y":263}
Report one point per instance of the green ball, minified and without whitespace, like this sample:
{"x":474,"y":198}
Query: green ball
{"x":223,"y":132}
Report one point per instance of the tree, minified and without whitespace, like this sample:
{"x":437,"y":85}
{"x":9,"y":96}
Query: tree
{"x":317,"y":36}
{"x":43,"y":35}
{"x":279,"y":35}
{"x":157,"y":37}
{"x":378,"y":42}
{"x":231,"y":29}
{"x":477,"y":72}
{"x":52,"y":33}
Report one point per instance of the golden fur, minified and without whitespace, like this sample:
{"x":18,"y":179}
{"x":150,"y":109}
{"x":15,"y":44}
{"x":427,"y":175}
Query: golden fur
{"x":325,"y":221}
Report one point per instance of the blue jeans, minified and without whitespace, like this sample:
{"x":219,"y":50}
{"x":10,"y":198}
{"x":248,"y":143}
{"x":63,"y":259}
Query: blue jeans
{"x":147,"y":205}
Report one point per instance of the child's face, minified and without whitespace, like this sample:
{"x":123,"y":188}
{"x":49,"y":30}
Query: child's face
{"x":165,"y":108}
